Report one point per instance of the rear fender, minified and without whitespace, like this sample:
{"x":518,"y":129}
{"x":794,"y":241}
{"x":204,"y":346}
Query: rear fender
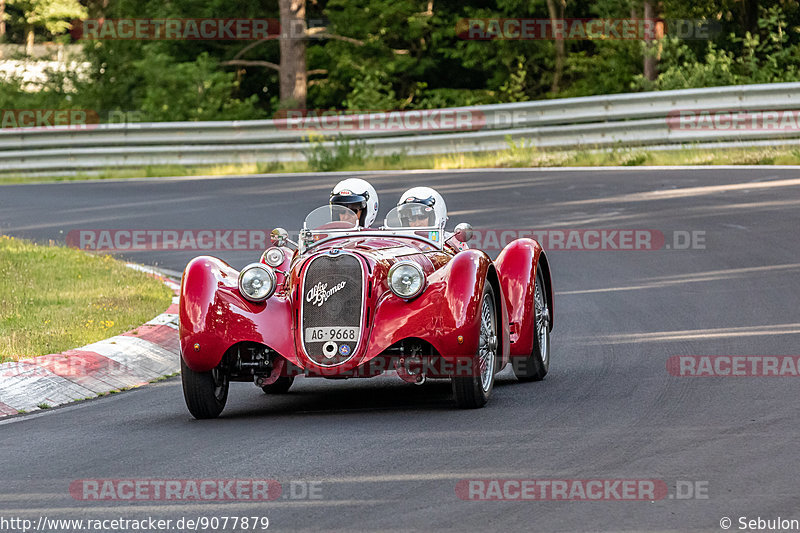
{"x":214,"y":316}
{"x":516,"y":267}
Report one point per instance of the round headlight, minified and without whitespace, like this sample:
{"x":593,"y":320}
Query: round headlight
{"x":406,"y":279}
{"x":274,"y":257}
{"x":257,"y":282}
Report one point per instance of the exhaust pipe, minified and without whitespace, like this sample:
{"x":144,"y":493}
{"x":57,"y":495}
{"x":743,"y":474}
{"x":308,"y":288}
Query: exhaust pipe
{"x":410,"y":370}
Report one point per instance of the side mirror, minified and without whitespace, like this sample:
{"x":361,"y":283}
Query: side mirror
{"x":279,"y":237}
{"x":463,"y":232}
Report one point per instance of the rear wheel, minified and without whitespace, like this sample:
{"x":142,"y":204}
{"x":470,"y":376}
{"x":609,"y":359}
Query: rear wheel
{"x":473,"y":391}
{"x":206,"y":393}
{"x":281,"y":385}
{"x":535,"y":366}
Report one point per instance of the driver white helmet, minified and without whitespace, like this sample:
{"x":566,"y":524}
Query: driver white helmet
{"x":358,"y":196}
{"x":437,"y":209}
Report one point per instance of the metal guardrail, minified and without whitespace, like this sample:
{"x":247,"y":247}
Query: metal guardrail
{"x":621,"y":120}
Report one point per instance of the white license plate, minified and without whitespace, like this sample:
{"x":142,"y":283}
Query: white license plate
{"x":331,"y":333}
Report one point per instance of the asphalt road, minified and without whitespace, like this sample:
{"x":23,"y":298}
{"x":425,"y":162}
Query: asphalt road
{"x":387,"y":455}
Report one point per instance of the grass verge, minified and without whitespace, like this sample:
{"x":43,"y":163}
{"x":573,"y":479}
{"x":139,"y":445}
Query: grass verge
{"x":54,"y":298}
{"x":517,"y":155}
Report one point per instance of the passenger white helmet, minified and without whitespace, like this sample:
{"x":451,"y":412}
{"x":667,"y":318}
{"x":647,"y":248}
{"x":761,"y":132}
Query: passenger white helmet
{"x":436,"y":209}
{"x":355,"y":194}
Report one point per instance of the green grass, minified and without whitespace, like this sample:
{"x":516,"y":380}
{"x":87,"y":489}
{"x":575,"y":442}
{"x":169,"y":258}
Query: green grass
{"x":517,"y":155}
{"x":54,"y":298}
{"x":164,"y":378}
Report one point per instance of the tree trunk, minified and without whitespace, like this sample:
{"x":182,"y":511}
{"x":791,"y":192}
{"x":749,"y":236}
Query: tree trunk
{"x":649,"y":49}
{"x":750,"y":16}
{"x":293,"y":75}
{"x":29,"y":40}
{"x":556,"y":10}
{"x":2,"y":22}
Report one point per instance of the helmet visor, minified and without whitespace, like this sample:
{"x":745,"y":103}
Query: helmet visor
{"x":411,"y":215}
{"x":354,"y":202}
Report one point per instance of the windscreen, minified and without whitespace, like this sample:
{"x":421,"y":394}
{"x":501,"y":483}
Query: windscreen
{"x":331,"y":217}
{"x":411,"y":215}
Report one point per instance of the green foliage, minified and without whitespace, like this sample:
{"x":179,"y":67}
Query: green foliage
{"x":425,"y":98}
{"x":396,"y":54}
{"x":56,"y":93}
{"x":608,"y":68}
{"x":513,"y":90}
{"x":767,"y":57}
{"x":53,"y":15}
{"x":370,"y":94}
{"x":54,"y":298}
{"x":634,"y":159}
{"x":519,"y":150}
{"x":344,"y":153}
{"x":196,"y":90}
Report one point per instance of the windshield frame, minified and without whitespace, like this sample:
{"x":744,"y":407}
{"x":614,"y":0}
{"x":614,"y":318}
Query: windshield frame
{"x":437,"y":244}
{"x":309,"y":238}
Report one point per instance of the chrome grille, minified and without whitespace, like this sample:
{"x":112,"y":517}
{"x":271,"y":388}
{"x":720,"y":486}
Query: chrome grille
{"x":332,"y":299}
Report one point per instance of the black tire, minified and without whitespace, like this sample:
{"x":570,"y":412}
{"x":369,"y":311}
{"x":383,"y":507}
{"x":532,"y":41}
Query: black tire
{"x":281,"y":385}
{"x":535,"y":366}
{"x":206,"y":393}
{"x":473,"y":391}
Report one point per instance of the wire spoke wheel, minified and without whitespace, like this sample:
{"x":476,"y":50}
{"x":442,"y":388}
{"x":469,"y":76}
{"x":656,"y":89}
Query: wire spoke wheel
{"x":487,"y":349}
{"x":537,"y":364}
{"x":542,"y":323}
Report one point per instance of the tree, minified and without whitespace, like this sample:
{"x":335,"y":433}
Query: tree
{"x":2,"y":19}
{"x":650,"y":49}
{"x":52,"y":15}
{"x":292,"y":70}
{"x":555,"y":9}
{"x":293,"y":74}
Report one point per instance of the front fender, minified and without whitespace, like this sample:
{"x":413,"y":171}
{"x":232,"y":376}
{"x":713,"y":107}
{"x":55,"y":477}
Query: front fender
{"x":516,"y":267}
{"x":214,"y":316}
{"x":448,"y":308}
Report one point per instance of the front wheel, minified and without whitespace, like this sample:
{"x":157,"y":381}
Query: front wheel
{"x":473,"y":391}
{"x":535,"y":366}
{"x":206,"y":393}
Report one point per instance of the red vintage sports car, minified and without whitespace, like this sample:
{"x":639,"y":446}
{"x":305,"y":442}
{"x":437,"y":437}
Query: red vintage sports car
{"x":353,"y":302}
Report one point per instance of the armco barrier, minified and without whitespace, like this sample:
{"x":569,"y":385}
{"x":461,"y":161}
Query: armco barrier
{"x":620,"y":120}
